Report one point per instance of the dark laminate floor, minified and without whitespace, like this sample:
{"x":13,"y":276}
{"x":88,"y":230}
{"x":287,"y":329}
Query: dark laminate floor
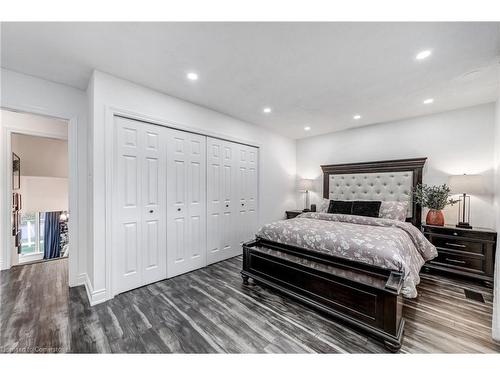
{"x":209,"y":311}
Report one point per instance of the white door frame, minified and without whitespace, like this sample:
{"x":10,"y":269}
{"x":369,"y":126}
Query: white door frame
{"x":6,"y":169}
{"x":109,"y":129}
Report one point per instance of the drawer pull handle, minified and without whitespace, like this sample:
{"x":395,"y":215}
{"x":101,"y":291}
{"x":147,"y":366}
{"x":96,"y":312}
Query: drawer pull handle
{"x":455,"y":261}
{"x":454,"y":244}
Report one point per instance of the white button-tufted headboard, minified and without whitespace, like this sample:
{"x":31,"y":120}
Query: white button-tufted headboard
{"x":385,"y":186}
{"x":388,"y":180}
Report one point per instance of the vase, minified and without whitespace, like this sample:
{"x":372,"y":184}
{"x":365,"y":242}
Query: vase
{"x":435,"y":217}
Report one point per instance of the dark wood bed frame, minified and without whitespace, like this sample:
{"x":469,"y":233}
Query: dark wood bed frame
{"x":365,"y":296}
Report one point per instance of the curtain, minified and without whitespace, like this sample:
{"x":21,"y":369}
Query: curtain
{"x":51,"y":235}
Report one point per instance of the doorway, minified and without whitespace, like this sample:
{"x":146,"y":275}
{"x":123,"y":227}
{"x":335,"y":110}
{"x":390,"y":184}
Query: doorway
{"x":39,"y":186}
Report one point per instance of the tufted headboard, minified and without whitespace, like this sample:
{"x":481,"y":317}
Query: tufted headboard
{"x":388,"y":180}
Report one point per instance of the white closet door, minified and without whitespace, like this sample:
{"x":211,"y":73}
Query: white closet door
{"x":154,"y":196}
{"x":139,"y":220}
{"x":222,"y":242}
{"x":246,"y":183}
{"x":252,"y":193}
{"x":186,"y":202}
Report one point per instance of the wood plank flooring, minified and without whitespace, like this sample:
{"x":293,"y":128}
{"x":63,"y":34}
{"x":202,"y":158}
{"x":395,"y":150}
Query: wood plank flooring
{"x":211,"y":311}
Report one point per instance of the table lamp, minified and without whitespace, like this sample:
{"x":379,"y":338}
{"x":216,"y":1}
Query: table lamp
{"x":305,"y":185}
{"x":465,"y":184}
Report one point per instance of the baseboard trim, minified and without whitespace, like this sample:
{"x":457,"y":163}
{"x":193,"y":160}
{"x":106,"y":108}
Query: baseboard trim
{"x":95,"y":296}
{"x":80,"y":280}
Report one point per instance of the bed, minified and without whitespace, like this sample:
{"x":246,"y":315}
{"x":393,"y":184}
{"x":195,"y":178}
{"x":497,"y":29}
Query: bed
{"x":356,"y":269}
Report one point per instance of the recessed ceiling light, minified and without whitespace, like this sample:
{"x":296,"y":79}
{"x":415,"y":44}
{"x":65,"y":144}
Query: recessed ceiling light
{"x":267,"y":110}
{"x":423,"y":54}
{"x":429,"y":101}
{"x":356,"y":117}
{"x":192,"y":76}
{"x":307,"y":128}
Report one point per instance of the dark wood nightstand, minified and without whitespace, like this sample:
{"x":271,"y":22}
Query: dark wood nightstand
{"x":292,"y":213}
{"x":464,"y":252}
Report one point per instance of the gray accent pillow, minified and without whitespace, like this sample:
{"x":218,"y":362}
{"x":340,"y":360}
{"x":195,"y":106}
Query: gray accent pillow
{"x":393,"y":210}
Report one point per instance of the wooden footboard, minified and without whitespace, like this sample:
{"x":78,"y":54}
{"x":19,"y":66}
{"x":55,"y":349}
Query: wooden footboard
{"x":366,"y":297}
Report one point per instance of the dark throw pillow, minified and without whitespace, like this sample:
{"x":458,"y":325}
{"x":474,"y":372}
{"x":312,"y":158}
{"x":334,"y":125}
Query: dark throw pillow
{"x":340,"y":207}
{"x":366,"y":208}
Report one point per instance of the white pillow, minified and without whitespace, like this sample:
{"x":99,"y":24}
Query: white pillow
{"x":323,"y":205}
{"x":393,"y":210}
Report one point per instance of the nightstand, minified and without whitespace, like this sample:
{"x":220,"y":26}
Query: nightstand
{"x":463,"y":252}
{"x":292,"y":213}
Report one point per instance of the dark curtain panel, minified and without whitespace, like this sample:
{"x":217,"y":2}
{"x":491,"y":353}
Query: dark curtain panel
{"x":51,"y":235}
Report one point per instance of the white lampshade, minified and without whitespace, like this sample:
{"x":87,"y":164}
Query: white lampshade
{"x":466,"y":184}
{"x":305,"y":184}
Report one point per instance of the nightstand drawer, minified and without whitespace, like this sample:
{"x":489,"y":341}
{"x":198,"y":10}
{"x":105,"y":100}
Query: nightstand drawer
{"x":458,"y":232}
{"x":460,"y":244}
{"x":460,"y":261}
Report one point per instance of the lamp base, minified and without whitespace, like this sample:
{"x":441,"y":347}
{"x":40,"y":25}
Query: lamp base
{"x":464,"y":225}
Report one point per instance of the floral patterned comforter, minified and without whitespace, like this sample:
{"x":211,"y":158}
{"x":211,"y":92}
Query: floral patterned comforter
{"x":387,"y":243}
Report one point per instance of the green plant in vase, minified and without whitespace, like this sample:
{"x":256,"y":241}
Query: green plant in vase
{"x":435,"y":198}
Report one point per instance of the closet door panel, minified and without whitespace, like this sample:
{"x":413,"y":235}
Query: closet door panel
{"x":154,"y":205}
{"x":186,"y":202}
{"x":251,"y":191}
{"x":214,"y":200}
{"x":176,"y":202}
{"x":230,"y":206}
{"x":127,"y":206}
{"x":197,"y":200}
{"x":221,"y":187}
{"x":247,"y":187}
{"x":241,"y":183}
{"x":139,"y":207}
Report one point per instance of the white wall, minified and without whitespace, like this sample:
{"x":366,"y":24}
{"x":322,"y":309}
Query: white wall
{"x":277,"y":153}
{"x":34,"y":95}
{"x":41,"y":156}
{"x":455,"y":142}
{"x":43,"y":194}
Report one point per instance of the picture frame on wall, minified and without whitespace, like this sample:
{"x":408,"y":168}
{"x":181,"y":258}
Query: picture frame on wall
{"x":16,"y":172}
{"x":15,"y":223}
{"x":16,"y":202}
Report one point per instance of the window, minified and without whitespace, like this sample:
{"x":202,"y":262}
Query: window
{"x":32,"y":232}
{"x":41,"y":231}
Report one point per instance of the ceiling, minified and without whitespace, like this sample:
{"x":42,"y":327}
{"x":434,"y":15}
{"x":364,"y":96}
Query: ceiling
{"x":310,"y":74}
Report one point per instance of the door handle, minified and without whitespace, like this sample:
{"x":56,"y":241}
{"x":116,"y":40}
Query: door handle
{"x":243,"y":204}
{"x":179,"y":209}
{"x":227,"y":205}
{"x":151,"y":211}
